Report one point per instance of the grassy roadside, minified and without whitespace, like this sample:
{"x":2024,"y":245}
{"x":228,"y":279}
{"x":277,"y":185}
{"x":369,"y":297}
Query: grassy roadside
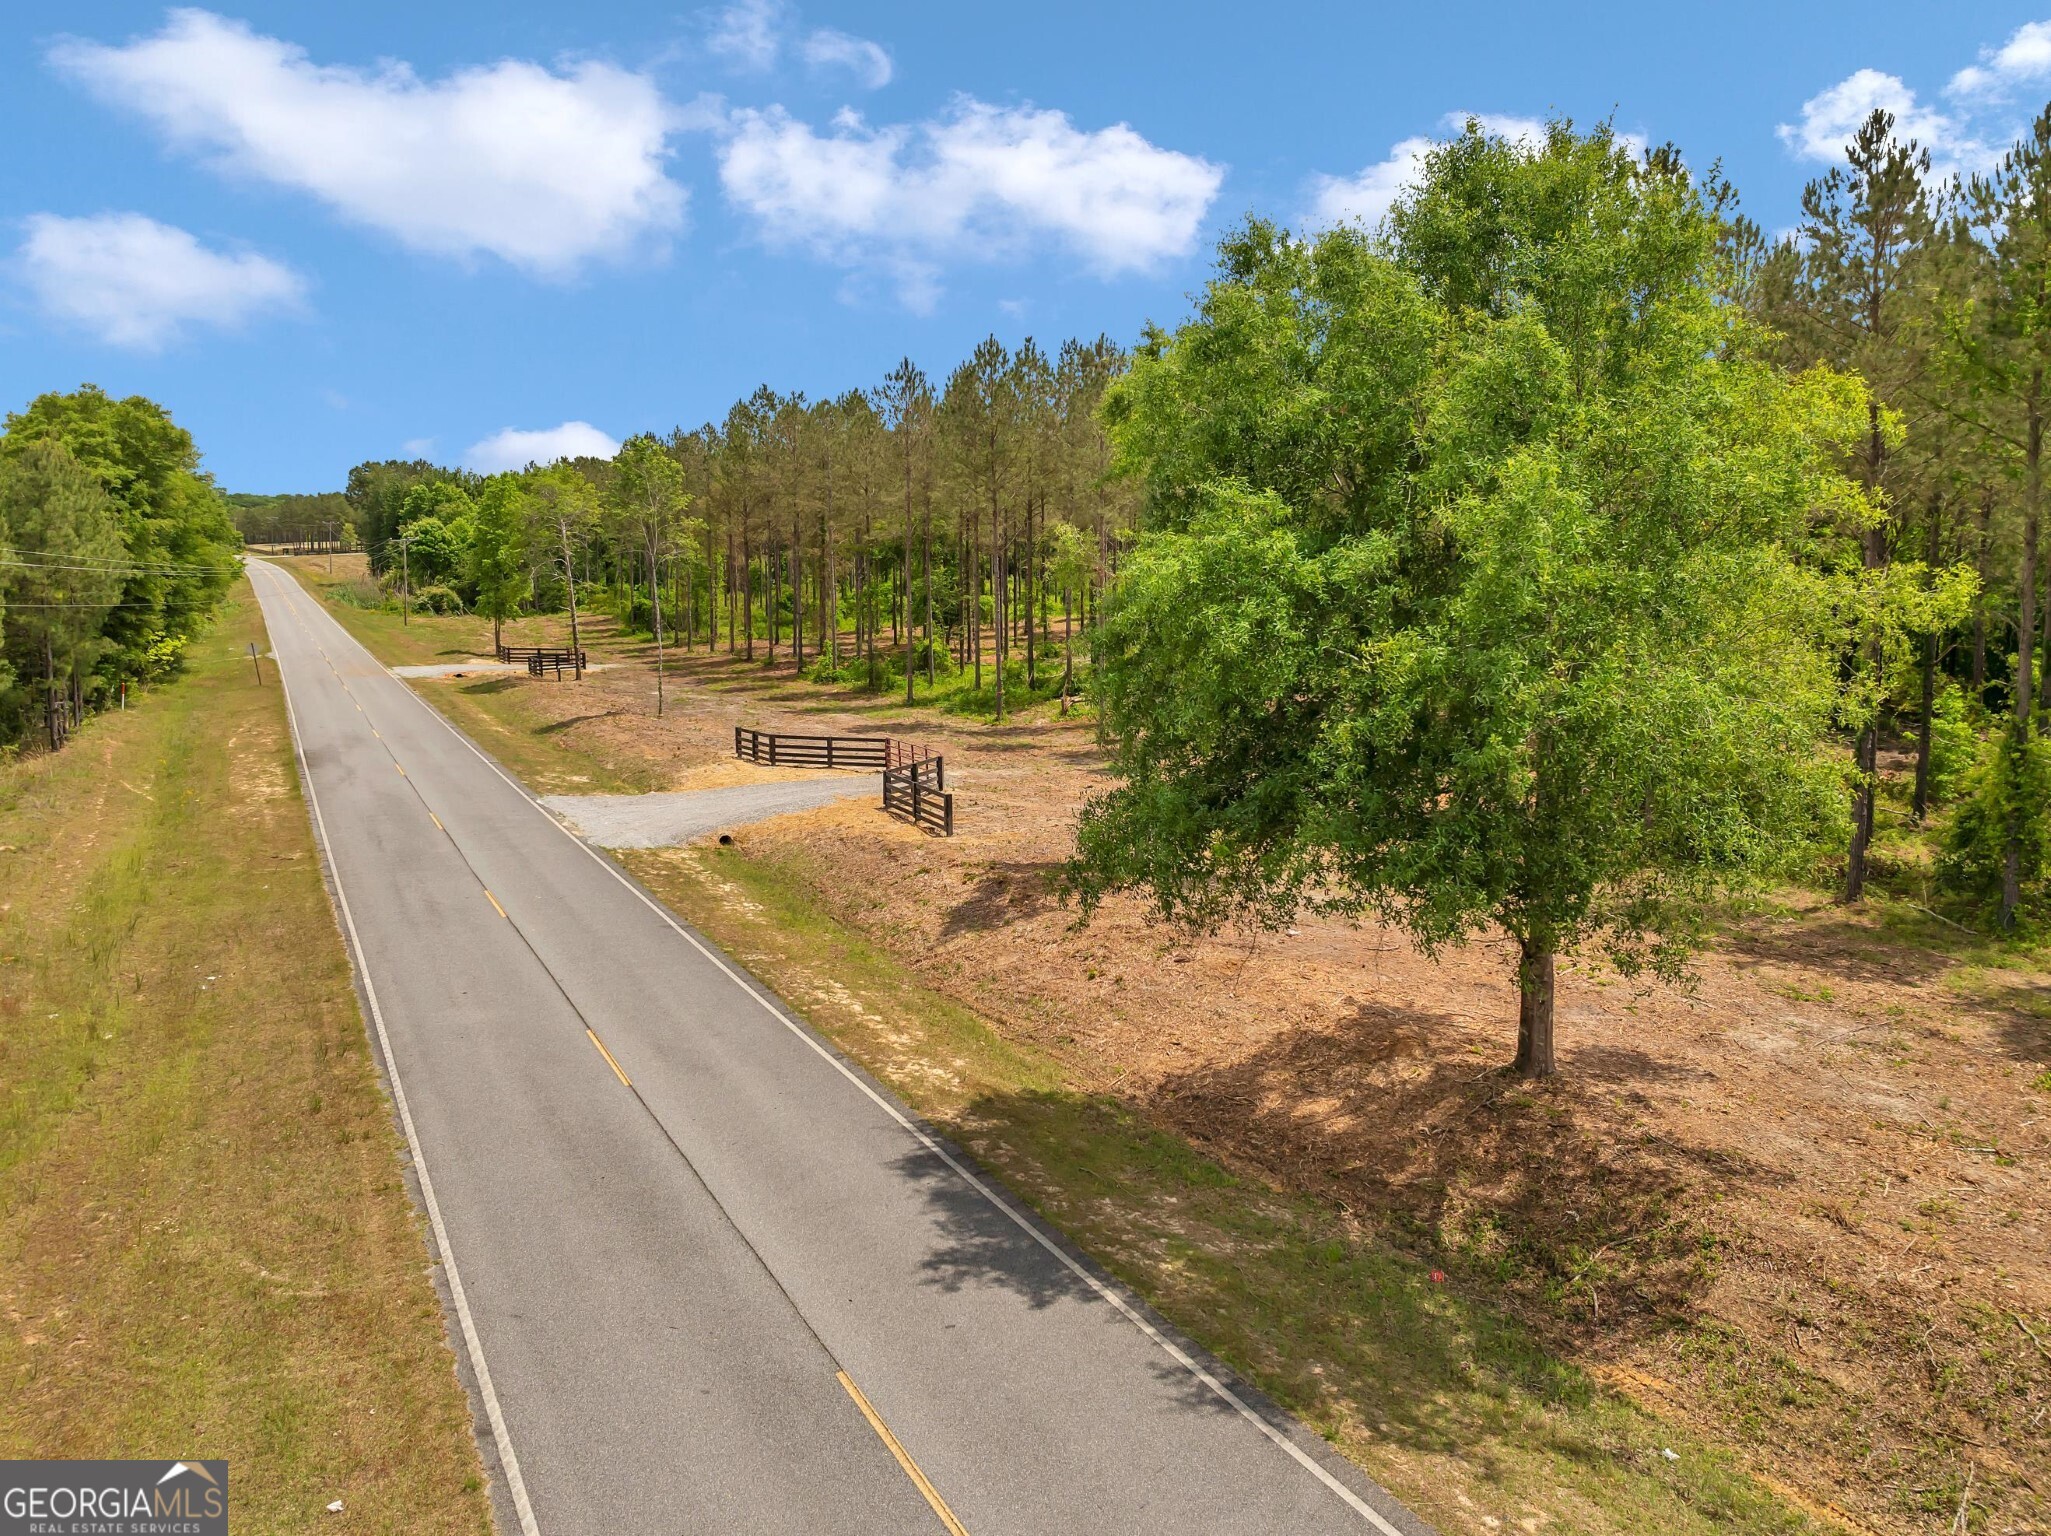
{"x":206,"y":1248}
{"x":1450,"y":1404}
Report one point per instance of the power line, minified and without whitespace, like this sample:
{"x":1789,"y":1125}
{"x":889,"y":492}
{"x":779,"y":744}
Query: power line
{"x":98,"y":563}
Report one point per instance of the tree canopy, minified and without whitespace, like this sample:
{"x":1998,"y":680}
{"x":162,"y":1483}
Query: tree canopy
{"x":1480,"y":581}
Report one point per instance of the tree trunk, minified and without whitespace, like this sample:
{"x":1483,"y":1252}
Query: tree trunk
{"x":1932,"y":546}
{"x":570,"y":583}
{"x":2026,"y":607}
{"x":1980,"y":602}
{"x":1534,"y":1009}
{"x":655,"y":618}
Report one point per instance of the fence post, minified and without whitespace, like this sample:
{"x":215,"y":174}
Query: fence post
{"x":915,"y":799}
{"x":772,"y":751}
{"x":947,"y":806}
{"x":829,"y":751}
{"x":737,"y":741}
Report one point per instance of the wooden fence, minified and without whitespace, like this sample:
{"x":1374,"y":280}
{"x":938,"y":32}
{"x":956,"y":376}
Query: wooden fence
{"x":914,"y":779}
{"x":541,"y":659}
{"x":785,"y":751}
{"x":918,"y":790}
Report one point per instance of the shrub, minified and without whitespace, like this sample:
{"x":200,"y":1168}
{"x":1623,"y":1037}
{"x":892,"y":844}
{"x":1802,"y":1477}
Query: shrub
{"x":437,"y":599}
{"x":2010,"y":777}
{"x":1954,"y":744}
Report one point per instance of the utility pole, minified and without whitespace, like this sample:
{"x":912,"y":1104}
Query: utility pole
{"x":405,"y":579}
{"x":332,"y":535}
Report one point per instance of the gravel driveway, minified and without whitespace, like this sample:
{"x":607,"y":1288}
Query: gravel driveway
{"x":661,"y":820}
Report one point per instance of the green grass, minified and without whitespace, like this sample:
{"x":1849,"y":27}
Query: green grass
{"x":206,"y":1248}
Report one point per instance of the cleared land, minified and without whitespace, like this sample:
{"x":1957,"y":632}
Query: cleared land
{"x":206,"y":1248}
{"x":1792,"y":1221}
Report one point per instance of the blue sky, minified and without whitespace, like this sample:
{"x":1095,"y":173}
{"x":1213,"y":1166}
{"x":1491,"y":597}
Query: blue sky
{"x":321,"y":234}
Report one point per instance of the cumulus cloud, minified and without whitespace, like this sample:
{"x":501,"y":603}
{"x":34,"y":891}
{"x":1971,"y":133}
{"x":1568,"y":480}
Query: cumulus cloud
{"x":1831,"y":117}
{"x":1367,"y":197}
{"x":979,"y":181}
{"x":542,"y":168}
{"x":133,"y":282}
{"x":514,"y":449}
{"x":868,"y":62}
{"x":2023,"y":58}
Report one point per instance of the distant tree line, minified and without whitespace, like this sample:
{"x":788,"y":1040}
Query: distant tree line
{"x":907,"y":534}
{"x":115,"y":550}
{"x":293,"y":519}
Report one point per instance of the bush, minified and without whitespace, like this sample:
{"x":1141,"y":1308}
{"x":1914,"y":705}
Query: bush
{"x":1954,"y":744}
{"x":437,"y":599}
{"x":2010,"y":777}
{"x":360,"y":593}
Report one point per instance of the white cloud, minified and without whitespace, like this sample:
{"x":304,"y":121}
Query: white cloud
{"x":1830,"y":119}
{"x":751,"y":35}
{"x":133,"y":282}
{"x":544,"y":169}
{"x":1367,"y":197}
{"x":418,"y":447}
{"x":514,"y":449}
{"x":979,"y":181}
{"x":2024,"y":57}
{"x":868,"y":62}
{"x":748,"y":34}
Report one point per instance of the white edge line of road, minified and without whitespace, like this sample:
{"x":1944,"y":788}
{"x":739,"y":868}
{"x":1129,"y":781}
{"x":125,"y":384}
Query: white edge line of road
{"x":516,"y":1487}
{"x":1175,"y":1351}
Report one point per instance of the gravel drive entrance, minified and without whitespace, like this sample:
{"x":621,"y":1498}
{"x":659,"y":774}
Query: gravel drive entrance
{"x":662,"y":820}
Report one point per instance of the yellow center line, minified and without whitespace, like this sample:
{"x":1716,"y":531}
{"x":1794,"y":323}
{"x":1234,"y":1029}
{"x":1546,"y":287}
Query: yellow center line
{"x":616,"y":1072}
{"x":904,"y":1457}
{"x":437,"y":822}
{"x":488,"y":895}
{"x":402,"y":772}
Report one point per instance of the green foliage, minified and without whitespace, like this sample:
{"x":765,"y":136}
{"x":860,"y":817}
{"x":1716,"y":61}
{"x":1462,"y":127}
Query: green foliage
{"x":437,"y":599}
{"x":1954,"y":743}
{"x":2008,"y":791}
{"x":57,"y":591}
{"x":495,"y":563}
{"x":177,"y":544}
{"x":1474,"y":588}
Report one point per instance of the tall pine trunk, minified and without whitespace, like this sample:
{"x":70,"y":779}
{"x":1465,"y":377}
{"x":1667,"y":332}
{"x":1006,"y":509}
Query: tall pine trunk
{"x":2033,"y":491}
{"x":1932,"y":545}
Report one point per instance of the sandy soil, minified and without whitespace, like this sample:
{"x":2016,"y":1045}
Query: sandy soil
{"x":1802,"y":1203}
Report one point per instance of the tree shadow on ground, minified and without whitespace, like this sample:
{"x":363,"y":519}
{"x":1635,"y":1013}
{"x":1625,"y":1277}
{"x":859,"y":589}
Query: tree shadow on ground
{"x":1006,"y":891}
{"x":1289,"y":1288}
{"x":1838,"y":945}
{"x":2021,"y":1013}
{"x":555,"y":727}
{"x":491,"y":685}
{"x":1550,"y":1188}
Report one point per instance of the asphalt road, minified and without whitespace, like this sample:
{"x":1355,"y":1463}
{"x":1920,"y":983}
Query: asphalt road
{"x":705,"y":1276}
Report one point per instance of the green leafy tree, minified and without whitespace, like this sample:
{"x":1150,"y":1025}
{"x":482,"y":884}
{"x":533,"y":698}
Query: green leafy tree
{"x":62,"y":575}
{"x":2002,"y":354}
{"x":562,"y":513}
{"x":180,"y":544}
{"x":1476,"y":588}
{"x":1070,"y":562}
{"x":495,"y":564}
{"x":648,"y":499}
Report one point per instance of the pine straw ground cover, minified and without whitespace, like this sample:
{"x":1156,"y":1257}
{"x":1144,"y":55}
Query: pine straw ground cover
{"x":1792,"y":1219}
{"x":206,"y":1248}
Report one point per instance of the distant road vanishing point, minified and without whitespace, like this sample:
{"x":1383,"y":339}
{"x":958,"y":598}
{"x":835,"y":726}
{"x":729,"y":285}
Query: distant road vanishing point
{"x":703,"y":1274}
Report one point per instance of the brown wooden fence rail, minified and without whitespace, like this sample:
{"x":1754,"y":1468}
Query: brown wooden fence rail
{"x":779,"y":750}
{"x":544,"y":658}
{"x":918,"y":790}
